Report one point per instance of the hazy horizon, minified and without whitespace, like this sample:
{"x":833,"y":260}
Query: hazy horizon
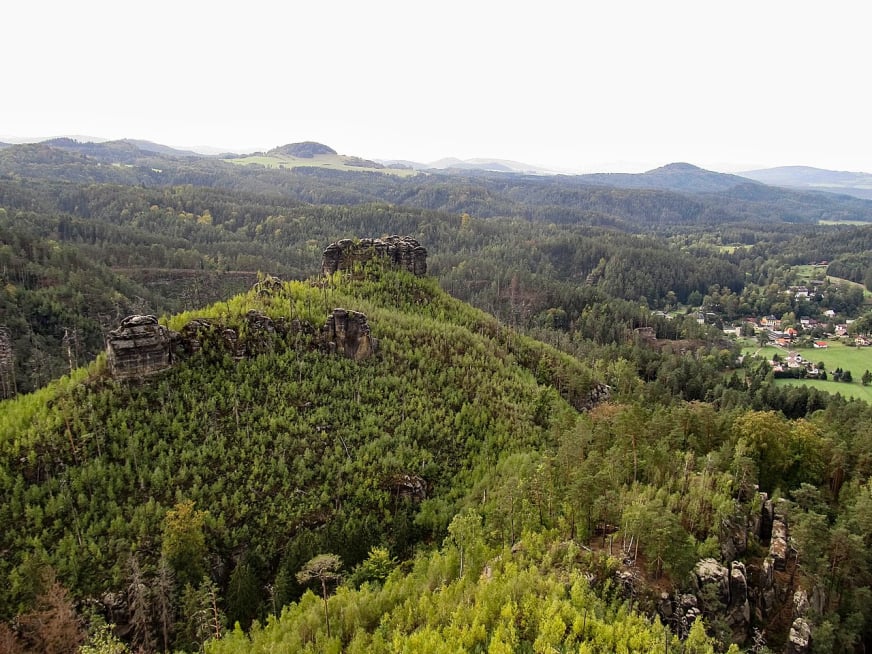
{"x":603,"y":167}
{"x":589,"y":87}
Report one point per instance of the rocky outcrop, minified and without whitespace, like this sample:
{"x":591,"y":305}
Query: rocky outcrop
{"x":720,"y":591}
{"x":739,"y":608}
{"x":799,"y":638}
{"x":597,"y":395}
{"x":139,"y":347}
{"x":767,"y":517}
{"x":401,"y":252}
{"x":766,"y":595}
{"x":778,"y":545}
{"x":713,"y":582}
{"x":408,"y":486}
{"x":347,"y":332}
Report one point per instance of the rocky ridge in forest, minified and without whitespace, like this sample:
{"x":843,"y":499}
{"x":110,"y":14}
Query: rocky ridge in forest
{"x":741,"y":594}
{"x":141,"y":346}
{"x":401,"y":252}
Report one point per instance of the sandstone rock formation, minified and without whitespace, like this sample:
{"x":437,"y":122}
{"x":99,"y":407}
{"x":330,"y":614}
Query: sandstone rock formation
{"x":739,"y":608}
{"x":710,"y":573}
{"x":778,"y":547}
{"x":720,"y":591}
{"x":402,"y":252}
{"x":139,"y":347}
{"x":409,"y":486}
{"x":799,"y":638}
{"x":347,"y":332}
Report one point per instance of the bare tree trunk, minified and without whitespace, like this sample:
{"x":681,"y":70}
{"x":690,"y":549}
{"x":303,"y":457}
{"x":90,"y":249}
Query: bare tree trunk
{"x":326,"y":612}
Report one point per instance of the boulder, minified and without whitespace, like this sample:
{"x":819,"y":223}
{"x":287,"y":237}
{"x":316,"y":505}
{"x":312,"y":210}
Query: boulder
{"x":664,"y":607}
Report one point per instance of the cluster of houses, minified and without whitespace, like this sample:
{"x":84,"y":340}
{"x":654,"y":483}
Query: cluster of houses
{"x":771,"y":326}
{"x":794,"y":361}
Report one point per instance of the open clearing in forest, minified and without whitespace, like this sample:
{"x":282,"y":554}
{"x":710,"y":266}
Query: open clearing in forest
{"x":836,"y":355}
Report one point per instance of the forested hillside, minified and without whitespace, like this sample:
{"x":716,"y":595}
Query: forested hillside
{"x":551,"y":442}
{"x":276,"y":457}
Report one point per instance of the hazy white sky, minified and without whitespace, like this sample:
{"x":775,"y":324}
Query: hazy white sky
{"x":604,"y":85}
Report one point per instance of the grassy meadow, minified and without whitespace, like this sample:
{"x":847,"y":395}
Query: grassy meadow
{"x":836,"y":355}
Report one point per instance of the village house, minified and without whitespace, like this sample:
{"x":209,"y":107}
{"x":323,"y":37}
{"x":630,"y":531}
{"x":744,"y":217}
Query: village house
{"x":800,"y":292}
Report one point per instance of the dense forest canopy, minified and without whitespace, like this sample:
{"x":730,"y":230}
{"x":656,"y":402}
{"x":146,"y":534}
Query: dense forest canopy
{"x":552,"y":434}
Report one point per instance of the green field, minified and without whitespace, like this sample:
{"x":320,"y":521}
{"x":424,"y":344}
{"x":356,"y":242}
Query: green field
{"x":853,"y":390}
{"x":809,"y":272}
{"x":837,"y":355}
{"x":732,"y":247}
{"x":332,"y":161}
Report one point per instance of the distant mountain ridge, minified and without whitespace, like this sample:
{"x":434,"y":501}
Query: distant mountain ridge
{"x":674,"y":177}
{"x":483,"y":164}
{"x":857,"y":184}
{"x":672,"y":194}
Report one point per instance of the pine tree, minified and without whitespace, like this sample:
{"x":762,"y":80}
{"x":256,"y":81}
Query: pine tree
{"x":325,"y":568}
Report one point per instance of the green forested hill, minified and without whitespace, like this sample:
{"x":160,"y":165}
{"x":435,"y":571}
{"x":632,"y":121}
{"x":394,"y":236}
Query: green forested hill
{"x":286,"y":454}
{"x":179,"y":505}
{"x":130,"y":249}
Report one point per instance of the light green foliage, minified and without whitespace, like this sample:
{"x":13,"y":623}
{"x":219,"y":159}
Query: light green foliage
{"x":521,"y":603}
{"x":265,"y":445}
{"x":375,"y":568}
{"x":465,"y":533}
{"x":184,"y":542}
{"x":104,"y":641}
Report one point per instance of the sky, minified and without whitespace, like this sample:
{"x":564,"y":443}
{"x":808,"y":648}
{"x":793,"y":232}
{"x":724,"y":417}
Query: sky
{"x":610,"y":85}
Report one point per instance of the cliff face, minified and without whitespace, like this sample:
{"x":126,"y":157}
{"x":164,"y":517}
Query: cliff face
{"x":401,"y":252}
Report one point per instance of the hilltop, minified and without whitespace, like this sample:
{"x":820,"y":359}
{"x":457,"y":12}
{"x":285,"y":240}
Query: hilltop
{"x":287,"y":446}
